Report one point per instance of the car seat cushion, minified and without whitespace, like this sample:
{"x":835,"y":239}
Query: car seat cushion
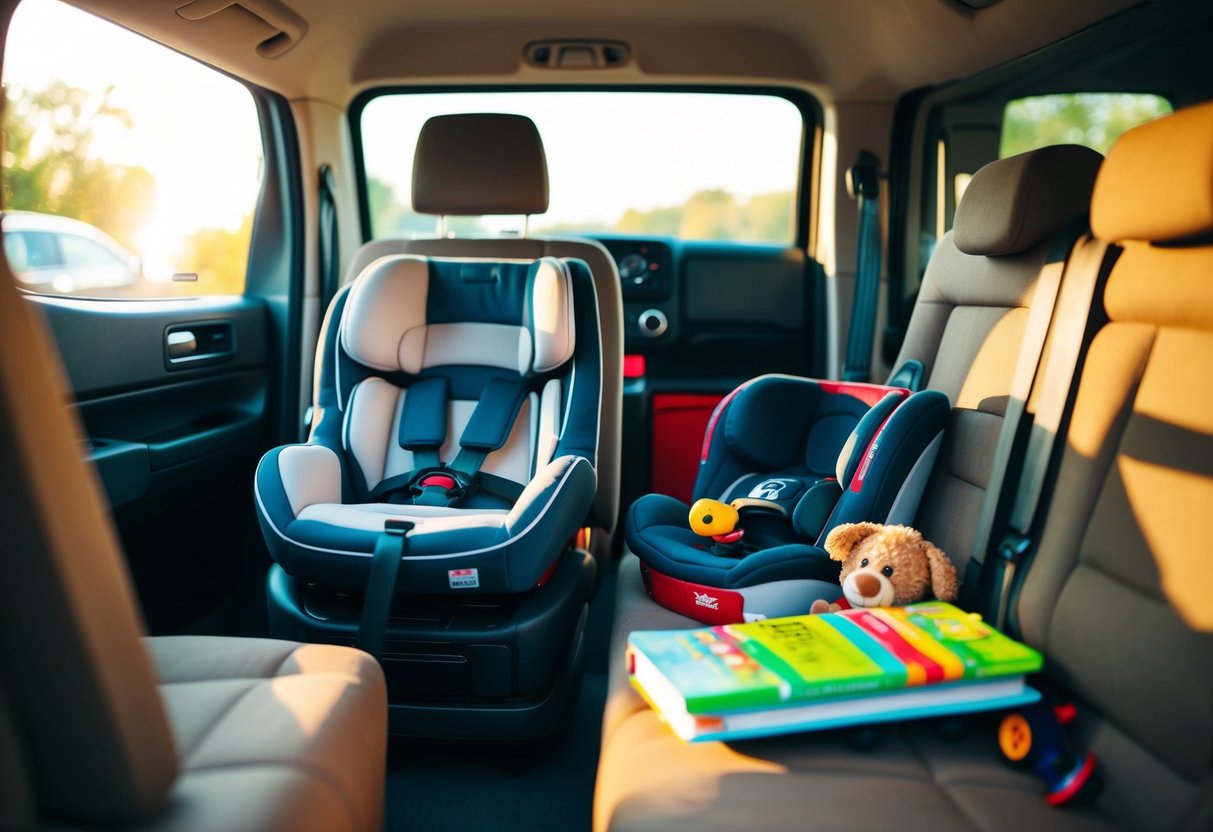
{"x":410,"y":314}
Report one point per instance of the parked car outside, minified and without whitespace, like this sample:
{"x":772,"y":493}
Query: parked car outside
{"x":49,"y":253}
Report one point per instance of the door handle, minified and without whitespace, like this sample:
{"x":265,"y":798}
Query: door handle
{"x":190,"y":344}
{"x":181,"y":344}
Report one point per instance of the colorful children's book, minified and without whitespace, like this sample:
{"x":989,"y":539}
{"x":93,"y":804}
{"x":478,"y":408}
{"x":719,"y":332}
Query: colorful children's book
{"x":811,"y":672}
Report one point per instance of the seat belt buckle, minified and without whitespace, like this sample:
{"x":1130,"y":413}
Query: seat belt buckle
{"x":454,"y":483}
{"x":1014,"y":546}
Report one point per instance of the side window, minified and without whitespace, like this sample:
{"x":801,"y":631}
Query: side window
{"x":116,"y":182}
{"x":1094,"y":119}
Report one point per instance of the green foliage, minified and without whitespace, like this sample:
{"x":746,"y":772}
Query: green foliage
{"x":706,"y":215}
{"x":218,"y":256}
{"x":716,"y":215}
{"x":1092,"y":119}
{"x":47,"y":167}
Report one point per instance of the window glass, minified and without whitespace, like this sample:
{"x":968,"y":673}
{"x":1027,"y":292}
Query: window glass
{"x":1094,"y":119}
{"x":700,"y":166}
{"x":141,"y":166}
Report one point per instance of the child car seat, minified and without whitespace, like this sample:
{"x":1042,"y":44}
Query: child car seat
{"x":462,"y":397}
{"x":812,"y":455}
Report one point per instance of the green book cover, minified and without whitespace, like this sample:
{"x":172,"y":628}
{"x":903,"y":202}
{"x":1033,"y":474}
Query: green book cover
{"x":808,"y":658}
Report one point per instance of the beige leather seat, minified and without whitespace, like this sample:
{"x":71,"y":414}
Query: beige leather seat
{"x":100,"y":727}
{"x":1117,"y":596}
{"x":487,"y":163}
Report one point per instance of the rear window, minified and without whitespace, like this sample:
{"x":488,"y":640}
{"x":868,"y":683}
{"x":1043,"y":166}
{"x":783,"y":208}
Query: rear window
{"x":1093,"y":119}
{"x":699,"y":166}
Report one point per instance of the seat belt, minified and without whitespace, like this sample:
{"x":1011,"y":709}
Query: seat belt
{"x":330,"y":239}
{"x":1016,"y":545}
{"x":863,"y":184}
{"x":1040,"y":315}
{"x":1020,"y":437}
{"x":390,"y":550}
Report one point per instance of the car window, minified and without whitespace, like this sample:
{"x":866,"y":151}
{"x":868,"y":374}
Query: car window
{"x":1093,"y":119}
{"x":699,"y":166}
{"x":149,"y":190}
{"x":82,"y":252}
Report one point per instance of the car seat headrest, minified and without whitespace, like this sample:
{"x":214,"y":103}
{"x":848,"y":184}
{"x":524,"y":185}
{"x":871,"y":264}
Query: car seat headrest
{"x":480,"y":163}
{"x":1157,"y":183}
{"x":1016,"y":203}
{"x":408,"y":313}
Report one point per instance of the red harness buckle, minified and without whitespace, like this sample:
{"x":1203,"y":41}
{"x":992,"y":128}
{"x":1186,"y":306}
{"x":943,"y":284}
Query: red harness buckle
{"x":440,"y":480}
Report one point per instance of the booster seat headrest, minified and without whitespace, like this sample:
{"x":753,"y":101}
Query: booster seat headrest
{"x":409,"y":313}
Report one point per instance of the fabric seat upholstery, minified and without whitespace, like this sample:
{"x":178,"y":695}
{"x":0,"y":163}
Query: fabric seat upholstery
{"x":405,"y":324}
{"x":463,"y":166}
{"x":102,"y":729}
{"x":1116,"y":596}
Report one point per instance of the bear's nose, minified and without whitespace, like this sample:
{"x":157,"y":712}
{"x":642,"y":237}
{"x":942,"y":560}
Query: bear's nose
{"x":867,"y":584}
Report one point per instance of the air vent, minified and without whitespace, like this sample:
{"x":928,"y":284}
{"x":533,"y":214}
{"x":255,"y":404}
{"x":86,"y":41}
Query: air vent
{"x":577,"y":54}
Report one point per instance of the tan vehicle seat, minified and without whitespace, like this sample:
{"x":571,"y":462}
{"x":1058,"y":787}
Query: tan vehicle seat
{"x":100,"y":727}
{"x":1117,"y":596}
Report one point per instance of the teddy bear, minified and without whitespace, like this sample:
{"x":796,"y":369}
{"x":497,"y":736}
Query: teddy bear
{"x":885,"y":566}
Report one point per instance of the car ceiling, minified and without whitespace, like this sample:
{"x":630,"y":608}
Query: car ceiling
{"x":852,"y":50}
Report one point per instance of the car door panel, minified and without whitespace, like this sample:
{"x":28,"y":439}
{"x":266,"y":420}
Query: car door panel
{"x":174,"y":441}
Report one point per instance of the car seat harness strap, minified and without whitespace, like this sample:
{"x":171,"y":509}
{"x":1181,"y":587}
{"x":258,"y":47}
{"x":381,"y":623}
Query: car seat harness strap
{"x":423,"y":431}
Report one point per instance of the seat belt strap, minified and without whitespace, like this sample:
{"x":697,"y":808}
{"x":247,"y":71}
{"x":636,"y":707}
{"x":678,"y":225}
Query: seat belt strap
{"x":329,"y":238}
{"x":1053,"y":397}
{"x":863,"y":183}
{"x":1040,"y":314}
{"x":390,"y":550}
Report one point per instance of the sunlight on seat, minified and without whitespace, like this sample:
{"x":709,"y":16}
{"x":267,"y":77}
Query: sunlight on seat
{"x":1171,"y":508}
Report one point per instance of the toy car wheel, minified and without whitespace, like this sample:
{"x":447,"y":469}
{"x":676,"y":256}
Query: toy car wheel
{"x":1015,"y":737}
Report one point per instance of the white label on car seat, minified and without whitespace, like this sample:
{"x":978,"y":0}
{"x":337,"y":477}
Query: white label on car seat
{"x":769,"y":489}
{"x":463,"y":578}
{"x":702,"y":599}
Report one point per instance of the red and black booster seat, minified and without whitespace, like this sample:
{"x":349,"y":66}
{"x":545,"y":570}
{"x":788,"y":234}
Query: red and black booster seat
{"x":798,"y":457}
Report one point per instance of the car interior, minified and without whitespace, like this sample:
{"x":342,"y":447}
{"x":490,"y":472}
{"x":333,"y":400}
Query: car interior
{"x":367,"y":368}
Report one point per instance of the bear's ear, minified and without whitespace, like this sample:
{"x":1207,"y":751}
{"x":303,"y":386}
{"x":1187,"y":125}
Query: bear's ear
{"x":943,"y":573}
{"x":842,"y":540}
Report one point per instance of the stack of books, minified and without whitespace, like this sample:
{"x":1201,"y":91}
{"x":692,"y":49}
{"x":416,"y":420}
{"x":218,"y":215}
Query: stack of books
{"x":812,"y":672}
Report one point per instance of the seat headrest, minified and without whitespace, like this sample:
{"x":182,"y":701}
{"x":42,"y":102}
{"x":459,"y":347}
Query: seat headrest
{"x":1017,"y":203}
{"x":1157,"y":184}
{"x":480,"y":163}
{"x":408,"y":313}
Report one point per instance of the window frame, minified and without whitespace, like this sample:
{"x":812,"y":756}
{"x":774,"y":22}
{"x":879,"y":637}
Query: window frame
{"x":807,"y":178}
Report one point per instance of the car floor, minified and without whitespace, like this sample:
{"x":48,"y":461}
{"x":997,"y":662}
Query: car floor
{"x":440,"y":786}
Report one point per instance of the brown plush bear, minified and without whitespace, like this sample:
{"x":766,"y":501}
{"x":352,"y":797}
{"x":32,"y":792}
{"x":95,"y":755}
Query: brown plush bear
{"x":887,"y":566}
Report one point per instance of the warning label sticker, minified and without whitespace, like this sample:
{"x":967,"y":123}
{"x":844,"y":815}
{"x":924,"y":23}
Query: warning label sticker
{"x":463,"y":578}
